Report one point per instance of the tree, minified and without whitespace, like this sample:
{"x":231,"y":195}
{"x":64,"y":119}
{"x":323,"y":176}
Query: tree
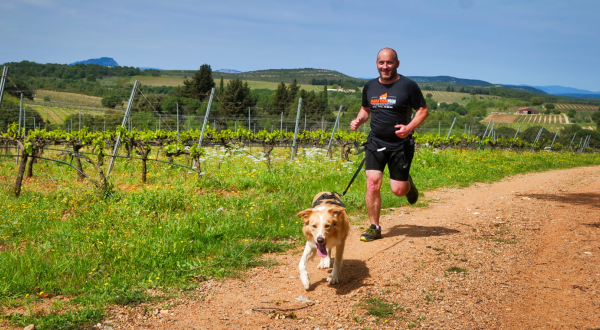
{"x":236,"y":99}
{"x":313,"y":106}
{"x":221,"y":87}
{"x":280,"y":100}
{"x":431,"y":103}
{"x":111,"y":101}
{"x":550,"y":106}
{"x":201,"y":83}
{"x":596,"y":119}
{"x":429,"y":95}
{"x":324,"y":96}
{"x":187,"y":106}
{"x":292,"y":91}
{"x":536,"y":100}
{"x":571,"y":113}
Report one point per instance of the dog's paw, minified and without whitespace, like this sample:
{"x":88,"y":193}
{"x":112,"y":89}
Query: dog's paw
{"x":324,"y":264}
{"x":333,"y":280}
{"x":305,"y":281}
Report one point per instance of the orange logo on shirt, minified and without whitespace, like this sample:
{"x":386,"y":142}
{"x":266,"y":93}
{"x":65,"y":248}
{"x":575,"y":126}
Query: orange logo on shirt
{"x":381,"y":99}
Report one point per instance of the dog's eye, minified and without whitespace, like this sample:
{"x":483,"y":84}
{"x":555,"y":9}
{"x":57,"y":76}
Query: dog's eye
{"x":314,"y":226}
{"x":326,"y":226}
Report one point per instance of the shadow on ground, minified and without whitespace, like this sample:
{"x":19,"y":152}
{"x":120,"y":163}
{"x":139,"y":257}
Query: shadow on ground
{"x":419,"y":231}
{"x":352,"y":275}
{"x":588,"y":199}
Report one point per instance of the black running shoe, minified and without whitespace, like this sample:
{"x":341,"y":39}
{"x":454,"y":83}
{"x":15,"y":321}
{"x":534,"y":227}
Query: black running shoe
{"x":371,"y":234}
{"x":413,"y":194}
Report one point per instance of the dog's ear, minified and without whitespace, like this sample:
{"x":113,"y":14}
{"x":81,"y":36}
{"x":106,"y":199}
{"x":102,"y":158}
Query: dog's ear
{"x":336,"y":211}
{"x":305,"y":214}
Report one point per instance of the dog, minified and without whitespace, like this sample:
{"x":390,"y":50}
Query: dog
{"x":325,"y":226}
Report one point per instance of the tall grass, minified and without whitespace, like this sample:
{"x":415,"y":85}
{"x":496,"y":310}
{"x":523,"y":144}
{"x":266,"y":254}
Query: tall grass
{"x":60,"y":238}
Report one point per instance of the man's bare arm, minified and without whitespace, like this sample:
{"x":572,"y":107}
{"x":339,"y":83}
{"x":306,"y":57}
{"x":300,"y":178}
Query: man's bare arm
{"x":403,"y":130}
{"x":361,"y":118}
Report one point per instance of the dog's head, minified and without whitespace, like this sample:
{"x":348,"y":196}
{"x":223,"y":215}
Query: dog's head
{"x":320,"y":224}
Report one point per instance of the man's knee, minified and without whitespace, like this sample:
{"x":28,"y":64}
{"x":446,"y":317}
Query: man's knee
{"x":373,"y":185}
{"x":400,"y":189}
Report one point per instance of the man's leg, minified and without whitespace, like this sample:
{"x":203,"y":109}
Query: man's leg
{"x":399,"y":188}
{"x":373,"y":198}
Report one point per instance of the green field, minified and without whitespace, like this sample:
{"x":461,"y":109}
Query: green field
{"x":67,"y":98}
{"x":57,"y":115}
{"x":61,"y":239}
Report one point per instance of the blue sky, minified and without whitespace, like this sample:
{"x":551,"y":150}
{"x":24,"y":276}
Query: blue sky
{"x":534,"y":42}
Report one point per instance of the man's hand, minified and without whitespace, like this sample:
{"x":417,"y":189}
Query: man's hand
{"x":402,"y":131}
{"x":355,"y":124}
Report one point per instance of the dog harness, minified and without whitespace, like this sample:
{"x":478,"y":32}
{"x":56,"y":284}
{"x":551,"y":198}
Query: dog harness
{"x":337,"y":201}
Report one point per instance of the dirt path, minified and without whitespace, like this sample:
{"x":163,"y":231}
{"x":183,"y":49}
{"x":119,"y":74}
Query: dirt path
{"x":519,"y":254}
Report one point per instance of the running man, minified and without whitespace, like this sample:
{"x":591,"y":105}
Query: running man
{"x":390,"y":100}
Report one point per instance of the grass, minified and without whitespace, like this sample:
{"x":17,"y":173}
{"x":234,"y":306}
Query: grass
{"x":457,"y":270}
{"x":61,"y":239}
{"x":77,"y":319}
{"x":378,"y":307}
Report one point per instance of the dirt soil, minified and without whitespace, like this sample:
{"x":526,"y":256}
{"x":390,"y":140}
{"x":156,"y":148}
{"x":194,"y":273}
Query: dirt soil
{"x":523,"y":253}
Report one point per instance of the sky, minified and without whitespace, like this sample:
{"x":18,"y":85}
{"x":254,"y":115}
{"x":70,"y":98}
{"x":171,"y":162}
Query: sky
{"x":533,"y":42}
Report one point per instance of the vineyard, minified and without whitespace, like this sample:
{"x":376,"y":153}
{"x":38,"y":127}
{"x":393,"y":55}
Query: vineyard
{"x":94,"y":148}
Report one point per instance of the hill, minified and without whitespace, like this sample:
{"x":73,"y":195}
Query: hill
{"x":302,"y":76}
{"x":460,"y":81}
{"x":104,"y":61}
{"x":527,"y":89}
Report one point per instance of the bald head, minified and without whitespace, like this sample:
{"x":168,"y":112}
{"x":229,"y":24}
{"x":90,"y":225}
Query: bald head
{"x":387,"y":65}
{"x":388,"y":51}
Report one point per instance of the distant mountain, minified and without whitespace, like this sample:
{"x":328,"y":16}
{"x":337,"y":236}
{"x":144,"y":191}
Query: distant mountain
{"x":525,"y":88}
{"x":562,"y":90}
{"x":461,"y":81}
{"x":227,"y":71}
{"x":104,"y":61}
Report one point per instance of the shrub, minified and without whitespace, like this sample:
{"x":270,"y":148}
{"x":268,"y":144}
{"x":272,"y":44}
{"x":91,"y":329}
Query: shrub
{"x":111,"y":101}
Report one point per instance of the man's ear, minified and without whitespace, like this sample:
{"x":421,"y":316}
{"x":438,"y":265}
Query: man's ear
{"x":305,"y":215}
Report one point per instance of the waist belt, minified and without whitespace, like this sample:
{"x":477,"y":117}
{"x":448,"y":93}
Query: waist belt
{"x":373,"y":148}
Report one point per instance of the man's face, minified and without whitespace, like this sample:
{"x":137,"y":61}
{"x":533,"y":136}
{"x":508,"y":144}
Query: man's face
{"x":387,"y":64}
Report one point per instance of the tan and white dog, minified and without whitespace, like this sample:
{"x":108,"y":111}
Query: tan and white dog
{"x":325,"y":226}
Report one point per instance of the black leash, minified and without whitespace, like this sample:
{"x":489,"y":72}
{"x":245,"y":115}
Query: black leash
{"x":359,"y":167}
{"x":367,"y":148}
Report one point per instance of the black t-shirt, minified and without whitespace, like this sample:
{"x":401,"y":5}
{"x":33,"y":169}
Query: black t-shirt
{"x":391,"y":104}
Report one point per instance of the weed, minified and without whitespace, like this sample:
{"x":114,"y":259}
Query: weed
{"x":457,"y":270}
{"x":378,"y":307}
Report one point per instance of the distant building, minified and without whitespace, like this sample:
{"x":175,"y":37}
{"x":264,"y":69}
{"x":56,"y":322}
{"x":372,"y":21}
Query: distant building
{"x":528,"y":111}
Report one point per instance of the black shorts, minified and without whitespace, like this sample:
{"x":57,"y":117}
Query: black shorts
{"x":398,"y":162}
